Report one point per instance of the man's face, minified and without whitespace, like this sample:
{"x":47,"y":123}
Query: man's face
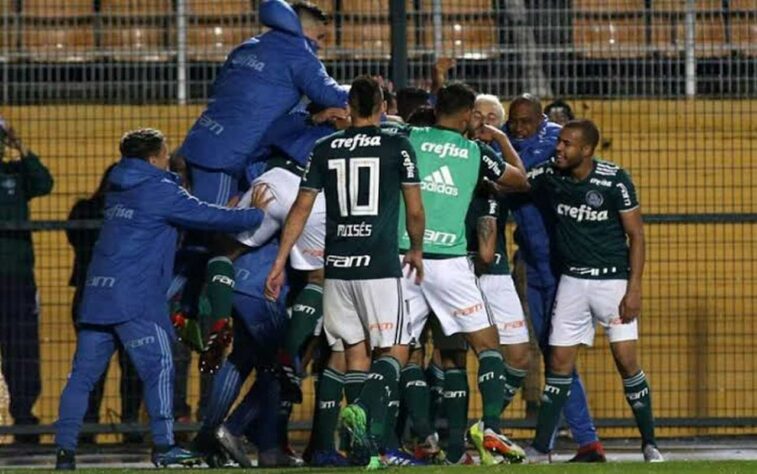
{"x":523,"y":120}
{"x":558,"y":116}
{"x":316,"y":31}
{"x":162,"y":159}
{"x":486,"y":112}
{"x":571,"y":149}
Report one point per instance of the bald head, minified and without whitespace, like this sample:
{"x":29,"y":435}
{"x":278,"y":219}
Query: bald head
{"x":525,"y":116}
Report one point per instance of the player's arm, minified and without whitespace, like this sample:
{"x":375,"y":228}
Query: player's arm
{"x":633,"y":226}
{"x":415,"y":216}
{"x":509,"y":177}
{"x":311,"y":78}
{"x":486,"y":234}
{"x":488,"y":133}
{"x":630,"y":305}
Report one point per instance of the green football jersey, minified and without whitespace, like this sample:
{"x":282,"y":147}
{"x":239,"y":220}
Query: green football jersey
{"x":483,"y":207}
{"x":589,"y":235}
{"x":361,"y":171}
{"x":450,"y":167}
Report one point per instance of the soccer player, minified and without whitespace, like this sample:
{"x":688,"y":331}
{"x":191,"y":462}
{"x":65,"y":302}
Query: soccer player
{"x":599,"y":239}
{"x":534,"y":138}
{"x":263,"y":79}
{"x":485,"y":223}
{"x":451,"y":166}
{"x":125,"y":294}
{"x":363,"y":171}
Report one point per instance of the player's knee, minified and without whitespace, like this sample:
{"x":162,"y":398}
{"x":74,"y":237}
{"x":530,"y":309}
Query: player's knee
{"x":627,"y":364}
{"x":561,"y":360}
{"x":337,"y":362}
{"x":316,"y":276}
{"x":416,"y":356}
{"x":517,"y":356}
{"x":453,"y":359}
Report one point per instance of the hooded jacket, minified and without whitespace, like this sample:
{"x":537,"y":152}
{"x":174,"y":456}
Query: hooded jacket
{"x":532,"y":233}
{"x":132,"y":262}
{"x":262,"y":79}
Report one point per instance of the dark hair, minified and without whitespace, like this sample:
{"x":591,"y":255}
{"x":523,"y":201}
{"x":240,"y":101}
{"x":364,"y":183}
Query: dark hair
{"x":310,"y":10}
{"x":528,"y":99}
{"x":560,"y":104}
{"x":365,"y":97}
{"x":423,"y":116}
{"x":454,"y":98}
{"x":389,"y":96}
{"x":589,"y":130}
{"x":142,"y":143}
{"x":409,"y":99}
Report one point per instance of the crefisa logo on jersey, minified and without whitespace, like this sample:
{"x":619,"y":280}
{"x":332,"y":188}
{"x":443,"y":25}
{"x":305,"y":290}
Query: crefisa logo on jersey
{"x":594,"y":199}
{"x":581,"y":213}
{"x":445,"y":150}
{"x":359,"y":140}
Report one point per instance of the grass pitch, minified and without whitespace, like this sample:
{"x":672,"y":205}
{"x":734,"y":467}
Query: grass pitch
{"x":687,"y":467}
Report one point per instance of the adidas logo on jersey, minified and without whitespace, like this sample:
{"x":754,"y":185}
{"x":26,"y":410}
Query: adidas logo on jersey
{"x":445,"y":150}
{"x":582,"y":213}
{"x":440,"y":181}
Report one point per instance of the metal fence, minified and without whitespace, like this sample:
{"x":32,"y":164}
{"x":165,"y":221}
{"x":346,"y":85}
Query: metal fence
{"x":672,"y":85}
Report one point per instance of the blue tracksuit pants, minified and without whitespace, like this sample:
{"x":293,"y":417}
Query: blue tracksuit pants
{"x":149,"y":348}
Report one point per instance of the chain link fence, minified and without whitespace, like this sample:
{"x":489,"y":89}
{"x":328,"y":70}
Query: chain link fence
{"x":672,"y":85}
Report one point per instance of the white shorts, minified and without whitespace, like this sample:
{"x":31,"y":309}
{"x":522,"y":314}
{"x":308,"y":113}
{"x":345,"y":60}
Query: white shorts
{"x":356,"y":310}
{"x":500,"y":294}
{"x":581,"y":303}
{"x":307,"y":253}
{"x":449,"y":289}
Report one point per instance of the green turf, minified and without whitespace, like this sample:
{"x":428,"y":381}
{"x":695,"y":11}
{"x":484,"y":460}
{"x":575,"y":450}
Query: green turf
{"x":694,"y":467}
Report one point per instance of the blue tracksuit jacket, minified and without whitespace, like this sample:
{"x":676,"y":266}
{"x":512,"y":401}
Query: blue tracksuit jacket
{"x":262,"y":79}
{"x":133,"y":258}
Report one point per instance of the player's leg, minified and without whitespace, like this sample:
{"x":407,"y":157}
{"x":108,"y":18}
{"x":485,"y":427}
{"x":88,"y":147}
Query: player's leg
{"x":94,"y":348}
{"x":571,"y":326}
{"x":329,"y":389}
{"x":541,"y":291}
{"x":149,"y":348}
{"x":506,"y":309}
{"x":307,"y":310}
{"x":606,"y":296}
{"x":435,"y":380}
{"x":130,"y":389}
{"x":415,"y":405}
{"x":455,"y":393}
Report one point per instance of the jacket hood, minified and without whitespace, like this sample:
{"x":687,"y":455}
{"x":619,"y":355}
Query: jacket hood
{"x":277,"y":14}
{"x":131,"y":172}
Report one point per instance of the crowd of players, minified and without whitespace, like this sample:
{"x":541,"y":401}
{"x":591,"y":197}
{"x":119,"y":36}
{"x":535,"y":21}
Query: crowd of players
{"x":344,"y":231}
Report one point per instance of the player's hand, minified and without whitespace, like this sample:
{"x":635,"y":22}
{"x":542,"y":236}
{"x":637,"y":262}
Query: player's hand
{"x":443,"y":65}
{"x":260,"y":197}
{"x":486,"y":133}
{"x":218,"y":340}
{"x":274,"y":282}
{"x":330,"y":114}
{"x":13,"y":141}
{"x":413,"y":259}
{"x":630,"y":306}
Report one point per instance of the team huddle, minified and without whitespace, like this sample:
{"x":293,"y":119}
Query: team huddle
{"x":341,"y":236}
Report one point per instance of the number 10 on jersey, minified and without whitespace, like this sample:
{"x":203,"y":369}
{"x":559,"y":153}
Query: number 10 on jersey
{"x":349,"y":205}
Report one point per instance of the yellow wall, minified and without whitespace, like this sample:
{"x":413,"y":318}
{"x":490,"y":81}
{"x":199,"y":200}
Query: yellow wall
{"x":698,"y":327}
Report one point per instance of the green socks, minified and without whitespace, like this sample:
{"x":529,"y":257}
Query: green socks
{"x":639,"y":397}
{"x":391,"y":438}
{"x":513,"y":382}
{"x":353,"y":384}
{"x":556,"y":392}
{"x":380,"y":386}
{"x":416,"y":399}
{"x":491,"y":384}
{"x":456,"y":408}
{"x":435,"y":382}
{"x":306,"y":310}
{"x":220,"y":288}
{"x":326,"y":416}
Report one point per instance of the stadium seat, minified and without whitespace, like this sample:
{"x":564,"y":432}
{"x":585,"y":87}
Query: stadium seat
{"x":214,"y":42}
{"x":138,"y":7}
{"x":744,"y":36}
{"x":744,"y":6}
{"x":670,"y":38}
{"x":454,"y":7}
{"x":605,"y":6}
{"x":370,"y":7}
{"x":214,"y":8}
{"x":680,"y":5}
{"x":366,"y":40}
{"x":606,"y":39}
{"x":136,"y":43}
{"x":57,"y":8}
{"x":60,"y":43}
{"x":465,"y":38}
